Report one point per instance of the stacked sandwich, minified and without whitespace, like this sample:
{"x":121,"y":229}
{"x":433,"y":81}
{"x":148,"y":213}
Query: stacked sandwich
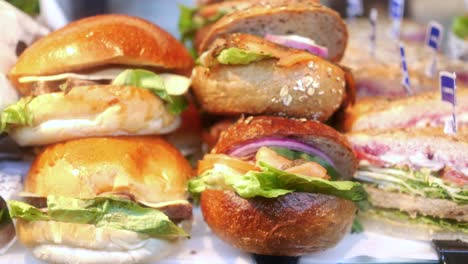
{"x":91,"y":197}
{"x":276,"y":183}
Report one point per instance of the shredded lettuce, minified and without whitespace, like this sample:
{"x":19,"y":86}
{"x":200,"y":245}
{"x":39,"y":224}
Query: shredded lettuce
{"x":270,"y":183}
{"x":394,"y":214}
{"x":294,"y":155}
{"x":155,"y":84}
{"x":357,"y":227}
{"x":421,"y":182}
{"x":110,"y":212}
{"x":240,"y":56}
{"x":17,"y":114}
{"x":460,"y":26}
{"x":30,"y":7}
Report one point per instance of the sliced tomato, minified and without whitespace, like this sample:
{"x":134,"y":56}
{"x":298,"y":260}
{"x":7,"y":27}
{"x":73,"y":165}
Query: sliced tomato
{"x":210,"y":160}
{"x":455,"y":177}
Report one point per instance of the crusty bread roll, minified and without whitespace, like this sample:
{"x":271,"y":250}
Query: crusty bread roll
{"x":304,"y":18}
{"x":100,"y":110}
{"x":147,"y":170}
{"x":294,"y":224}
{"x":101,"y":41}
{"x":316,"y":134}
{"x":290,"y":225}
{"x":423,"y":110}
{"x":311,"y":87}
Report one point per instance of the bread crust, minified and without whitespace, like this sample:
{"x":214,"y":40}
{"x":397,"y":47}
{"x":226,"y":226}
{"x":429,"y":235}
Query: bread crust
{"x":321,"y":136}
{"x":99,"y":41}
{"x":291,"y":225}
{"x":147,"y":168}
{"x":281,"y":18}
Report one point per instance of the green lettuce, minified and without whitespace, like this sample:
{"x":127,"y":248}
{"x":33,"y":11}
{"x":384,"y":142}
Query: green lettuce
{"x":422,"y":182}
{"x":270,"y":183}
{"x":460,"y":26}
{"x":30,"y":7}
{"x":17,"y":114}
{"x":155,"y":84}
{"x":240,"y":56}
{"x":357,"y":227}
{"x":189,"y":23}
{"x":397,"y":215}
{"x":294,"y":155}
{"x":106,"y":211}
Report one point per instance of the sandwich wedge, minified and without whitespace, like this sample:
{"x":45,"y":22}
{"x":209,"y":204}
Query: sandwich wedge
{"x":244,"y":73}
{"x":423,"y":110}
{"x":99,"y":76}
{"x":417,"y":181}
{"x":277,"y":186}
{"x":104,"y":200}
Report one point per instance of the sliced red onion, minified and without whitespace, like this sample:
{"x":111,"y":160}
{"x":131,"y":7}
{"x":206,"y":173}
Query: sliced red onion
{"x":252,"y":147}
{"x":298,"y":42}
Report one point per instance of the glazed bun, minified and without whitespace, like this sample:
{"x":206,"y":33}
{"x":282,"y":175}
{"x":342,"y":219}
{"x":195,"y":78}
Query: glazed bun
{"x":148,"y":168}
{"x":311,"y":87}
{"x":290,"y":225}
{"x":99,"y":110}
{"x":314,"y":133}
{"x":97,"y":41}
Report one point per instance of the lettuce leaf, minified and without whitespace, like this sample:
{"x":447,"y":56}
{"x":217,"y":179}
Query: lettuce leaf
{"x":17,"y":114}
{"x":422,"y":182}
{"x":30,"y":7}
{"x":294,"y":155}
{"x":394,"y":214}
{"x":155,"y":84}
{"x":240,"y":56}
{"x":270,"y":183}
{"x":103,"y":211}
{"x":460,"y":26}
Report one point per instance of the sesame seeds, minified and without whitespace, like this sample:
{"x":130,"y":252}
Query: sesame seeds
{"x":320,"y":92}
{"x":287,"y":100}
{"x":310,"y":91}
{"x":310,"y":65}
{"x":329,"y":71}
{"x":299,"y":86}
{"x":338,"y":78}
{"x":248,"y":120}
{"x":283,"y":91}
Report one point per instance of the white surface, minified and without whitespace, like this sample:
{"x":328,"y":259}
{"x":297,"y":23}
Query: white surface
{"x":204,"y":247}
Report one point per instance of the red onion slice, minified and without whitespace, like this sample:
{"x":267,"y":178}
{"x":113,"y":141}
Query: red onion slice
{"x":252,"y":147}
{"x":298,"y":42}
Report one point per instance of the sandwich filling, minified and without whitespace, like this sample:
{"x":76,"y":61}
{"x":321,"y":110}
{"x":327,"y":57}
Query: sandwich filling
{"x":105,"y":211}
{"x":271,"y":170}
{"x":170,"y":88}
{"x":419,"y":189}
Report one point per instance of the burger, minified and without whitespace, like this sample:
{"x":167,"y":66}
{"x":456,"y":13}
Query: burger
{"x":278,"y":186}
{"x":243,"y":73}
{"x":104,"y":200}
{"x":106,"y":75}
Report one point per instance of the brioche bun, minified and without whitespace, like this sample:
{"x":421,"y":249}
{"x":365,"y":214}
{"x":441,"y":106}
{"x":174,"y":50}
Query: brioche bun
{"x":101,"y":41}
{"x":290,"y":225}
{"x":99,"y":110}
{"x":147,"y":169}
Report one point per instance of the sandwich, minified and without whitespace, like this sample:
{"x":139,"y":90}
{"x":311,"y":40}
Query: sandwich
{"x":423,"y":110}
{"x":278,"y":186}
{"x":303,"y":23}
{"x":104,"y":200}
{"x":106,"y":75}
{"x":243,"y":73}
{"x":417,"y":181}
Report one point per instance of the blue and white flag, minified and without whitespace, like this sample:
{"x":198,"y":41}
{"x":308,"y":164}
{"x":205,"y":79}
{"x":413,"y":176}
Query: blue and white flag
{"x":396,"y":12}
{"x":434,"y":35}
{"x":404,"y":69}
{"x":354,"y":8}
{"x":373,"y":34}
{"x":448,"y":90}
